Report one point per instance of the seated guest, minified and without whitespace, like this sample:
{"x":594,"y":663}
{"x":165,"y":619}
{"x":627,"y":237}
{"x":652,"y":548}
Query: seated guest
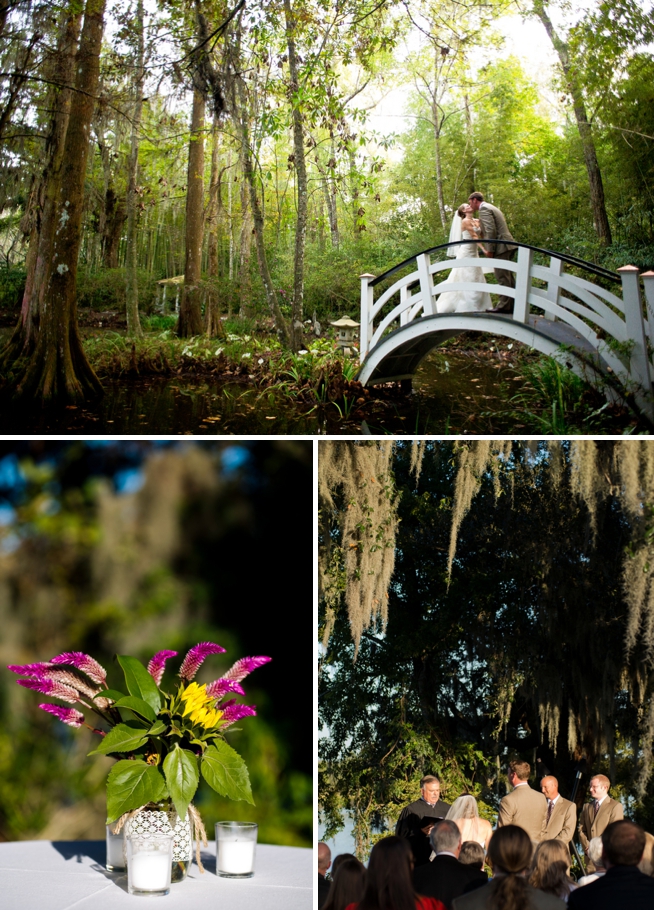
{"x":509,"y":854}
{"x":465,"y":813}
{"x":473,"y":854}
{"x":550,"y":869}
{"x":594,"y":851}
{"x":348,"y":883}
{"x":324,"y":862}
{"x":445,"y":877}
{"x":341,"y":859}
{"x":388,"y":882}
{"x":623,"y":885}
{"x":646,"y":864}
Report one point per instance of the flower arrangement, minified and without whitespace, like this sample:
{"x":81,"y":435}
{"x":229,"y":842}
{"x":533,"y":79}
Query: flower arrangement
{"x":162,"y":741}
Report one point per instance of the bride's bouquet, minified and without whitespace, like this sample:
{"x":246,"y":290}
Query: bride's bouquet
{"x":163,"y":740}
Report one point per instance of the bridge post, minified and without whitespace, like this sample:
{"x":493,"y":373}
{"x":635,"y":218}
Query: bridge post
{"x":648,"y":281}
{"x":426,"y":284}
{"x":633,"y":311}
{"x":522,"y":284}
{"x":553,"y":288}
{"x":365,"y":327}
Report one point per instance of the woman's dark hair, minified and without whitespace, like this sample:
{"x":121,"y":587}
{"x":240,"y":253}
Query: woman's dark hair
{"x":347,"y":886}
{"x":461,"y":211}
{"x":389,"y":885}
{"x":509,"y":852}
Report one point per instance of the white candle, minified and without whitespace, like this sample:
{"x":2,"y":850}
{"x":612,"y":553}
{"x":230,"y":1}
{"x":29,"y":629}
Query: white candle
{"x":149,"y":870}
{"x":236,"y":857}
{"x":115,"y":857}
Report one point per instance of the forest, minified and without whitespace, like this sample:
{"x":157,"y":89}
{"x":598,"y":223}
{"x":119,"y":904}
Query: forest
{"x":190,"y":187}
{"x":131,"y":547}
{"x":483,"y":601}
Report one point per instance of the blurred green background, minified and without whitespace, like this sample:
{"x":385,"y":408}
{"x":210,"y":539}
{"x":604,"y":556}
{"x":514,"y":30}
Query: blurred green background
{"x":130,"y":547}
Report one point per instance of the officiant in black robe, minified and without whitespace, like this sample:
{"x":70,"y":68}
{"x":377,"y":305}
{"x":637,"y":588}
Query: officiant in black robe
{"x":415,"y":820}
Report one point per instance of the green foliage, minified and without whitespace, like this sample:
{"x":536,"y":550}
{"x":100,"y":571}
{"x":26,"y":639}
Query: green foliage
{"x":105,"y":289}
{"x":132,"y":784}
{"x":12,"y":286}
{"x":225,"y":772}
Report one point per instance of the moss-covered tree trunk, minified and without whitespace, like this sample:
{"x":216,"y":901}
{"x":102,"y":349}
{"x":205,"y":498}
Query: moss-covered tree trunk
{"x":39,"y":258}
{"x":190,"y":313}
{"x":58,"y":370}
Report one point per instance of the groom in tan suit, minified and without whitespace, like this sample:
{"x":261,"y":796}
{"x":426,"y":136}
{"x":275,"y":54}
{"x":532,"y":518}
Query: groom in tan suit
{"x":494,"y":227}
{"x":524,"y":807}
{"x":597,"y":815}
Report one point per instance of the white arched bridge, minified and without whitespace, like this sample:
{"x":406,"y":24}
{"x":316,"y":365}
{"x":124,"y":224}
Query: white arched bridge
{"x":603,"y":328}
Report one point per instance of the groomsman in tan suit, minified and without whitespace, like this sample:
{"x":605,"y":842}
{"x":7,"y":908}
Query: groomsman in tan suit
{"x":561,"y":818}
{"x":524,"y":807}
{"x":494,"y":227}
{"x":598,"y":814}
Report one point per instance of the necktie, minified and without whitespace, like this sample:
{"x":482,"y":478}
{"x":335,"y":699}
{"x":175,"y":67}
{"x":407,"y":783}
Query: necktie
{"x":597,"y":805}
{"x":550,"y":804}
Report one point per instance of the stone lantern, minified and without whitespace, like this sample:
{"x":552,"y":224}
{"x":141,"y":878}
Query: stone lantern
{"x":346,"y":328}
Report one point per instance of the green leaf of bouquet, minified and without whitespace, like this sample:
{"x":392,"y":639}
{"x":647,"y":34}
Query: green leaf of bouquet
{"x":182,"y":776}
{"x":123,"y":738}
{"x":132,"y":784}
{"x":139,"y":682}
{"x":157,"y":729}
{"x":226,"y":772}
{"x":113,"y":694}
{"x":138,"y":706}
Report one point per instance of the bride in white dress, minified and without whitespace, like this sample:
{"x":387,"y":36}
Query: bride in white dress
{"x":464,"y":227}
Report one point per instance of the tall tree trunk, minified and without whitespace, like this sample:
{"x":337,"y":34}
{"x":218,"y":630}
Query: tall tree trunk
{"x":301,"y":183}
{"x":39,"y":261}
{"x":58,"y":370}
{"x":257,"y":214}
{"x":600,"y":217}
{"x":115,"y":215}
{"x":244,"y":274}
{"x":213,"y":322}
{"x":134,"y":329}
{"x":190,"y":314}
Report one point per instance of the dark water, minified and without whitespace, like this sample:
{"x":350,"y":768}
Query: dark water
{"x":455,"y":393}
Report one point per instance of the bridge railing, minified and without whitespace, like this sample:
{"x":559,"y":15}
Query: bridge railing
{"x":617,"y":326}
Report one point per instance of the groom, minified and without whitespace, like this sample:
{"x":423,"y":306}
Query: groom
{"x":494,"y":227}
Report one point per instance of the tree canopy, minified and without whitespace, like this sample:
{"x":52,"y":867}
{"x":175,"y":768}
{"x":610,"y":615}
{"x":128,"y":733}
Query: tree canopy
{"x":519,"y":619}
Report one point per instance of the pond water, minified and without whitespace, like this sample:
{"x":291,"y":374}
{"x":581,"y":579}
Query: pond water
{"x":455,"y":393}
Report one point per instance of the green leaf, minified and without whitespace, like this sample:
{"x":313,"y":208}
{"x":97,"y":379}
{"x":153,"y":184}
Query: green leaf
{"x":132,"y":784}
{"x":182,"y":776}
{"x":139,"y":682}
{"x":226,"y":772}
{"x":157,"y":729}
{"x":113,"y":694}
{"x":138,"y":706}
{"x":123,"y":738}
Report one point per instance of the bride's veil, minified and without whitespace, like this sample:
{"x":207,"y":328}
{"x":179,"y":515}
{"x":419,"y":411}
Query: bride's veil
{"x":455,"y":234}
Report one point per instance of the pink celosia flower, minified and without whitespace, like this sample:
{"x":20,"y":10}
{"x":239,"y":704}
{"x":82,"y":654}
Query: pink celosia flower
{"x":220,"y":687}
{"x":244,"y":666}
{"x":236,"y":712}
{"x":82,"y":662}
{"x":195,"y":658}
{"x":66,"y":715}
{"x":29,"y":669}
{"x":158,"y":663}
{"x":69,"y":679}
{"x":50,"y":687}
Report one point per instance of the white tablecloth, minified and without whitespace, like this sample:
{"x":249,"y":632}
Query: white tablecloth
{"x":60,"y":875}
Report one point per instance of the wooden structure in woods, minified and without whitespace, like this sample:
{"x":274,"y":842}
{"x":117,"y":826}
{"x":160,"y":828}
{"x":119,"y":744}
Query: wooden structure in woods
{"x":602,"y":329}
